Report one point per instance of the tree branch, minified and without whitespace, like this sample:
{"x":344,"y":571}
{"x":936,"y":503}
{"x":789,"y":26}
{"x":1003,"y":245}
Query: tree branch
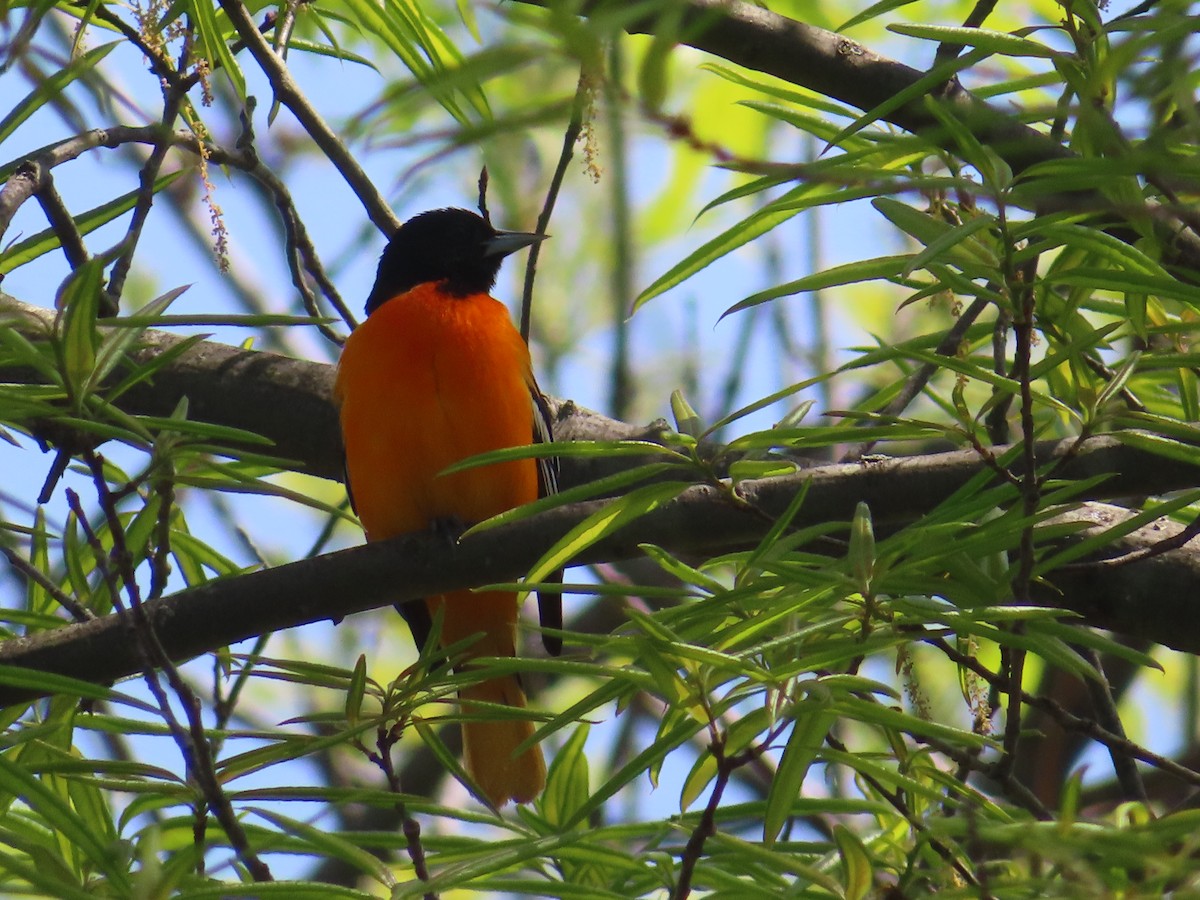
{"x":288,"y":401}
{"x":289,"y":94}
{"x":1152,"y":602}
{"x":31,"y":176}
{"x":843,"y":69}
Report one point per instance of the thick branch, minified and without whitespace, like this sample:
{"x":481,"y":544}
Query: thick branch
{"x":1151,"y":602}
{"x":288,"y":401}
{"x":843,"y":69}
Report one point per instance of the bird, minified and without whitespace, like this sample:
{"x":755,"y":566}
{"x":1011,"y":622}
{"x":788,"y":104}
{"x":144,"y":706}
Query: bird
{"x":438,"y":373}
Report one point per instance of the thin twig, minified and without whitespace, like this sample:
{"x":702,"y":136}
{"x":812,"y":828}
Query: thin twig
{"x":160,"y":63}
{"x":1020,"y":285}
{"x":160,"y":559}
{"x":694,"y":850}
{"x":482,"y":204}
{"x":897,"y":802}
{"x":996,"y":420}
{"x":78,"y":611}
{"x":1068,"y":720}
{"x":968,"y":761}
{"x":1107,"y":716}
{"x":299,"y":250}
{"x":283,"y":33}
{"x":60,"y":220}
{"x":570,"y":136}
{"x":1144,"y":7}
{"x":381,"y":756}
{"x":192,"y":742}
{"x":947,"y":51}
{"x":289,"y":94}
{"x":915,"y":383}
{"x":29,"y":178}
{"x":22,"y":184}
{"x":145,"y":198}
{"x":620,"y":390}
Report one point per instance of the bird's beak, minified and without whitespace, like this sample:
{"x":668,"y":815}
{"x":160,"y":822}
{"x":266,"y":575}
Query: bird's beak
{"x":503,"y":243}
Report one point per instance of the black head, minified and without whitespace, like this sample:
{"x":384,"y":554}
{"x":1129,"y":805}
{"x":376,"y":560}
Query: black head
{"x":454,"y":246}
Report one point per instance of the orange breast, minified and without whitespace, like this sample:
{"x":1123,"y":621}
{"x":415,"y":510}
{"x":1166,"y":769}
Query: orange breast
{"x":426,"y":381}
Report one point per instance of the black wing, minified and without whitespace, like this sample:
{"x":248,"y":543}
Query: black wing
{"x":549,"y":604}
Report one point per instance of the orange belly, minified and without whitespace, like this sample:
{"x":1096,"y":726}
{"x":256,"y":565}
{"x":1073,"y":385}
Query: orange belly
{"x":425,"y":382}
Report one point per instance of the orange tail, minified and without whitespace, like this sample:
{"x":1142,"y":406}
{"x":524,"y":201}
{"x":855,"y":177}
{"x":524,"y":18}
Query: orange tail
{"x":488,"y":747}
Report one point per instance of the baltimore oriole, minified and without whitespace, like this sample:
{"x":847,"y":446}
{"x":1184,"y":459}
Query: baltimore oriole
{"x":437,"y":373}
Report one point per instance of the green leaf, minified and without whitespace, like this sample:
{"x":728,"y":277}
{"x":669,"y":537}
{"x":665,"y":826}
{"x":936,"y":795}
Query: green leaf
{"x":913,"y":222}
{"x":856,"y":863}
{"x":671,"y":736}
{"x":574,"y":449}
{"x":872,"y":12}
{"x":681,"y":570}
{"x":256,"y":320}
{"x":888,"y":267}
{"x":942,"y":247}
{"x":754,"y":469}
{"x":653,"y":73}
{"x":1129,"y":282}
{"x":610,"y":518}
{"x":52,"y":86}
{"x":738,"y":236}
{"x":58,"y":814}
{"x":79,"y":306}
{"x":1161,"y":446}
{"x":1076,"y":549}
{"x":325,"y":842}
{"x":601,"y":487}
{"x":779,"y":90}
{"x":703,"y":771}
{"x":115,"y":343}
{"x":216,"y":46}
{"x":190,"y":428}
{"x":1068,"y":807}
{"x":49,"y":683}
{"x":335,"y":52}
{"x":738,"y":737}
{"x":284,"y":890}
{"x":79,"y":562}
{"x":931,"y":80}
{"x":26,"y":353}
{"x":987,"y":376}
{"x":43,"y":242}
{"x":37,"y":598}
{"x":861,"y":554}
{"x":999,"y":42}
{"x":1103,"y":246}
{"x":889,"y":717}
{"x":52,"y":879}
{"x":811,"y":720}
{"x":1120,"y":378}
{"x":146,"y":370}
{"x":357,"y":690}
{"x":418,"y":43}
{"x":687,"y":420}
{"x":764,"y":402}
{"x":567,"y":788}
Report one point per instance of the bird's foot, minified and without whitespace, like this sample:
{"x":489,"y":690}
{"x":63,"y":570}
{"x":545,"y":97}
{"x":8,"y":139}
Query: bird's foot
{"x":448,"y":528}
